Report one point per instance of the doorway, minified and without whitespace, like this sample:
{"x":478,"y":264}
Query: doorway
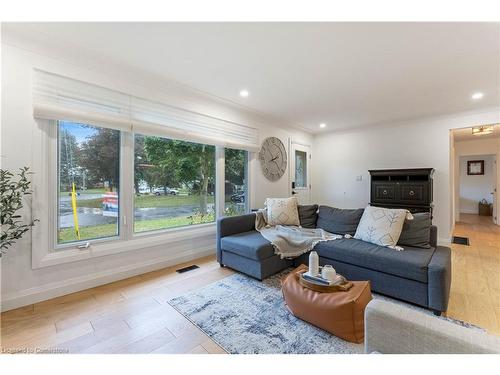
{"x":477,"y":187}
{"x":475,"y":174}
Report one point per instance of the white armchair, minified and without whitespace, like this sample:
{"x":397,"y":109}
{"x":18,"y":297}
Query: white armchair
{"x":395,"y":329}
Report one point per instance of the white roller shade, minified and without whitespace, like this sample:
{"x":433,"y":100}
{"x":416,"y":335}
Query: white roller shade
{"x":160,"y":119}
{"x":58,"y":97}
{"x":62,"y":98}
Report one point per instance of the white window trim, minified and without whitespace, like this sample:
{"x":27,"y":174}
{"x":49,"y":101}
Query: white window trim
{"x":46,"y":252}
{"x":220,"y":178}
{"x":97,"y":249}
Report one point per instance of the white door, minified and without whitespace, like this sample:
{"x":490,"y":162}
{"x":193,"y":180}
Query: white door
{"x":494,"y":192}
{"x":300,"y":172}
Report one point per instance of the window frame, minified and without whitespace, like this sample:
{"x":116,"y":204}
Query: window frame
{"x":159,"y":231}
{"x":246,"y":178}
{"x":305,"y":172}
{"x":45,"y":249}
{"x":55,"y":179}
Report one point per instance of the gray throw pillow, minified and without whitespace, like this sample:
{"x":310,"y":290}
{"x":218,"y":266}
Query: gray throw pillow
{"x":308,"y":215}
{"x":417,"y":232}
{"x":338,"y":220}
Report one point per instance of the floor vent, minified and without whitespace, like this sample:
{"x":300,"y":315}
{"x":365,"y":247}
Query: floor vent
{"x":186,"y":269}
{"x":461,"y":241}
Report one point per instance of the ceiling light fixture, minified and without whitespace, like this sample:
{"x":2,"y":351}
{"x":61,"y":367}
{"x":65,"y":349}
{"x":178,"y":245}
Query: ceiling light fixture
{"x":477,"y":96}
{"x":322,"y":125}
{"x":244,"y":93}
{"x":482,"y":130}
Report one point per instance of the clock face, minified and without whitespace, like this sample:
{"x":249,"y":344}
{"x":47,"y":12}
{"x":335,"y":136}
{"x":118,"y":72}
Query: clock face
{"x":272,"y":158}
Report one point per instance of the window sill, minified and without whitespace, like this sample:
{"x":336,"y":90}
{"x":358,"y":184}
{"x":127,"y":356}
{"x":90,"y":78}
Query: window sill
{"x":139,"y":242}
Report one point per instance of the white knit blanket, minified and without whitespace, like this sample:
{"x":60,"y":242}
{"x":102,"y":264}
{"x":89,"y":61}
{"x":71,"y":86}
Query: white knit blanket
{"x":291,"y":241}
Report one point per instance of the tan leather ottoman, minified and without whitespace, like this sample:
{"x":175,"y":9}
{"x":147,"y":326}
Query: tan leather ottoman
{"x":340,"y":313}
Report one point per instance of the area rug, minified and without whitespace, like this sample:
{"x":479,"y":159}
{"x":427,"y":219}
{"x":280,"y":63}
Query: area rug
{"x":247,"y":316}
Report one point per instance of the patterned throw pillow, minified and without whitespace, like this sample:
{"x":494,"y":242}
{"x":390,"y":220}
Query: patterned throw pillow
{"x":381,"y":226}
{"x":282,"y":211}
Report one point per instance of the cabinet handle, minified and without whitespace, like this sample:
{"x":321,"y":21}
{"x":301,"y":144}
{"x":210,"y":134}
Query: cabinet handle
{"x":412,"y":193}
{"x":384,"y":192}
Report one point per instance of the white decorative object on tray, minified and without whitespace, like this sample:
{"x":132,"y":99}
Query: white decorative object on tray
{"x":319,"y":280}
{"x":313,"y":264}
{"x":328,"y":273}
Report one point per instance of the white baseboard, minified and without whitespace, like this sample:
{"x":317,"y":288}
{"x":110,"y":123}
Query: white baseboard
{"x":469,"y":211}
{"x":444,"y":241}
{"x":56,"y":289}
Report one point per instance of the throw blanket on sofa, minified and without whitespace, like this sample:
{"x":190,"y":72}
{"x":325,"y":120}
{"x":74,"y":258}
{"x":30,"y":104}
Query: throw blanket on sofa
{"x":291,"y":241}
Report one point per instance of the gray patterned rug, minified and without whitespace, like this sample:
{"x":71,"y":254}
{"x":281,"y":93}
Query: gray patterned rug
{"x":247,"y":316}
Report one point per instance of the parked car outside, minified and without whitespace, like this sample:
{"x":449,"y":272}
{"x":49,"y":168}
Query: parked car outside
{"x":165,"y":191}
{"x":238,"y":198}
{"x":144,"y":190}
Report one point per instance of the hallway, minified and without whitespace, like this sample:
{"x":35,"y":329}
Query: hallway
{"x":475,"y":288}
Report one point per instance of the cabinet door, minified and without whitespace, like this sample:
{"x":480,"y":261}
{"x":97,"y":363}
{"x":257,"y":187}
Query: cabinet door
{"x":382,"y":192}
{"x":414,"y":193}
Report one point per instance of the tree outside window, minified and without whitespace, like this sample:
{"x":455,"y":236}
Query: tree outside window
{"x":174,"y":183}
{"x":89,"y":180}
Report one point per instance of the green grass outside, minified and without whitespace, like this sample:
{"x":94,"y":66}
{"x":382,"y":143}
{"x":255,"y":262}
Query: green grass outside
{"x":88,"y":191}
{"x":90,"y":232}
{"x":109,"y":230}
{"x":147,"y":201}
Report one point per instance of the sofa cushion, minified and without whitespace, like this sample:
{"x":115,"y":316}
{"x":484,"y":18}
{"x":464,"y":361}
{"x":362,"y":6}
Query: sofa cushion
{"x":338,"y":220}
{"x":248,"y":244}
{"x":381,"y":226}
{"x":308,"y":215}
{"x":412,"y":263}
{"x":282,"y":211}
{"x":417,"y":232}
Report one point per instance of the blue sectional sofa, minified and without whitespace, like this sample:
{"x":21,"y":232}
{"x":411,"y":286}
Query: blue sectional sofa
{"x":417,"y":275}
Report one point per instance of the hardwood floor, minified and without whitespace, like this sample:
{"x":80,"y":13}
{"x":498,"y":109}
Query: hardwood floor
{"x":127,"y":316}
{"x":133,"y":316}
{"x":475,"y":287}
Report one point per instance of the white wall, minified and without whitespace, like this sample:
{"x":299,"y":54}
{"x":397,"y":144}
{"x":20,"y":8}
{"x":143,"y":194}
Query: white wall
{"x":342,"y":156}
{"x":20,"y":284}
{"x":475,"y":188}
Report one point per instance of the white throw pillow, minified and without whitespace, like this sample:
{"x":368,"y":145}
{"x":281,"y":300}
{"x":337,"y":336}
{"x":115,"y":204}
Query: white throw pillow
{"x":282,"y":211}
{"x":382,"y":226}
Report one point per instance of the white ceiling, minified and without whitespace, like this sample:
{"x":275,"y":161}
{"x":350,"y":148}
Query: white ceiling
{"x":343,"y":74}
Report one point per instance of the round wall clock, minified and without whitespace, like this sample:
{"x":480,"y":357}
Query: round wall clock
{"x":272,"y":158}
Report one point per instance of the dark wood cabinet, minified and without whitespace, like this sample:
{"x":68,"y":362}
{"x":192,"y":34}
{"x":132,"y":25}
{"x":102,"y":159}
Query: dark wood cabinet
{"x":402,"y":188}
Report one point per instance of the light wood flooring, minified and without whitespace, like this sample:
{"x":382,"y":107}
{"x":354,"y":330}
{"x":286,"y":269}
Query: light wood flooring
{"x":133,"y":316}
{"x":127,"y":316}
{"x":475,"y":287}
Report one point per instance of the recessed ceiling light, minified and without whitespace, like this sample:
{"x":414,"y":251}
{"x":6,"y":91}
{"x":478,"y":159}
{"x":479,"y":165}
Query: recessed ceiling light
{"x":322,"y":125}
{"x":477,"y":96}
{"x":244,"y":93}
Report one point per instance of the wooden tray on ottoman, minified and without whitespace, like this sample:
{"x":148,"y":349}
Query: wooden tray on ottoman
{"x":340,"y":313}
{"x":322,"y":288}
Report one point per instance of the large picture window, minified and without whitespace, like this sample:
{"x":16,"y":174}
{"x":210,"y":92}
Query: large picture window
{"x":236,"y":186}
{"x":88,"y":182}
{"x":118,"y":172}
{"x":174,"y":183}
